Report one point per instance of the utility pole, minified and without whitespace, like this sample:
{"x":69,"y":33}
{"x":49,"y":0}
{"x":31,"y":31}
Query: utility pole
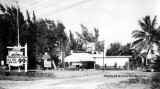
{"x":17,"y":24}
{"x":103,"y":60}
{"x":18,"y":44}
{"x":61,"y":52}
{"x":103,"y":55}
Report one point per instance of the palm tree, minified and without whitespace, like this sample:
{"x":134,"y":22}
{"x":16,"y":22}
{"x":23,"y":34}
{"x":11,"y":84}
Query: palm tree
{"x":96,"y":35}
{"x":147,"y":36}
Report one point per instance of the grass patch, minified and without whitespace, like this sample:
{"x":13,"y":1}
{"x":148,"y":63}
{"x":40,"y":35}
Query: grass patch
{"x":22,"y":76}
{"x":133,"y":83}
{"x":153,"y":83}
{"x":50,"y":74}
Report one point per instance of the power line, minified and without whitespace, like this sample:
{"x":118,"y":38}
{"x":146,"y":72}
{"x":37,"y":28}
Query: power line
{"x":48,"y":5}
{"x":68,"y":7}
{"x":36,"y":4}
{"x":57,"y":6}
{"x":8,"y":2}
{"x":72,"y":6}
{"x":29,"y":4}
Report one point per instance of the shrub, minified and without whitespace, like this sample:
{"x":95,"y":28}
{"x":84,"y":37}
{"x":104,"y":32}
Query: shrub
{"x":115,"y":66}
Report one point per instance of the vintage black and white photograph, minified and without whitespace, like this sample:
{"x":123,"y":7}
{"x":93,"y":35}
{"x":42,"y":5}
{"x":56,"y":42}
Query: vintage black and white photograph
{"x":79,"y":44}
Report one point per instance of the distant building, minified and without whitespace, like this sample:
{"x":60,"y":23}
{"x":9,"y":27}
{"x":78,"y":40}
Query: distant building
{"x":83,"y":60}
{"x":91,"y":60}
{"x":109,"y":61}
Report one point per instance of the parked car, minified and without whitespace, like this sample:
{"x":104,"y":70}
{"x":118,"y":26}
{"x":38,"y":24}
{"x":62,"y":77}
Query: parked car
{"x":153,"y":67}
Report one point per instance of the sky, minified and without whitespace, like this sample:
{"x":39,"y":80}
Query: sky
{"x":115,"y":19}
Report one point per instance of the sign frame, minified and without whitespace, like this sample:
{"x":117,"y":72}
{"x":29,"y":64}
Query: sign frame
{"x":16,"y":56}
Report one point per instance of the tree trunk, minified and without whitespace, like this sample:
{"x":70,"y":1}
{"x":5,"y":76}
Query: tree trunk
{"x":146,"y":56}
{"x":54,"y":65}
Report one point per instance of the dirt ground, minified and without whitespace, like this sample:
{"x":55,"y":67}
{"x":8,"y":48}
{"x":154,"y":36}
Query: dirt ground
{"x":90,"y":80}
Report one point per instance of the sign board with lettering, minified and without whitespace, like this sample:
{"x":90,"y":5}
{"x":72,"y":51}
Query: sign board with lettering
{"x":16,"y":60}
{"x":47,"y":63}
{"x":15,"y":57}
{"x":2,"y":62}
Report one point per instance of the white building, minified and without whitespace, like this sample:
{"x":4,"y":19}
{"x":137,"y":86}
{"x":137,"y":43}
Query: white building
{"x":80,"y":59}
{"x":121,"y":61}
{"x":91,"y":60}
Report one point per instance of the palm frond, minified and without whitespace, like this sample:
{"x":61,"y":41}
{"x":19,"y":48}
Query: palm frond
{"x":136,"y":42}
{"x":146,"y":24}
{"x":143,"y":26}
{"x":96,"y":32}
{"x":158,"y":29}
{"x":147,"y":20}
{"x":135,"y":31}
{"x":138,"y":34}
{"x":2,"y":8}
{"x":79,"y":35}
{"x":154,"y":22}
{"x":143,"y":45}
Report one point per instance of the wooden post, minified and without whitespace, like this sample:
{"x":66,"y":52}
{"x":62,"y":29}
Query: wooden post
{"x":103,"y":60}
{"x":26,"y":62}
{"x":9,"y":68}
{"x":19,"y":69}
{"x":94,"y":63}
{"x":128,"y":65}
{"x":54,"y":65}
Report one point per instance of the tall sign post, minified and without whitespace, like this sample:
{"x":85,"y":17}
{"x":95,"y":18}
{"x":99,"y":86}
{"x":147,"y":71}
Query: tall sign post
{"x":25,"y":53}
{"x":16,"y":56}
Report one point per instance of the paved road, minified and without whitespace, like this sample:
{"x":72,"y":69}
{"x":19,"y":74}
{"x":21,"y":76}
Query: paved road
{"x":87,"y":82}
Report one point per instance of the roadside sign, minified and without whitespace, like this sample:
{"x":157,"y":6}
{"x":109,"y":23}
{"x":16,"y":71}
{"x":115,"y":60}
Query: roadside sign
{"x":17,"y":57}
{"x":47,"y":63}
{"x":2,"y":62}
{"x":16,"y":60}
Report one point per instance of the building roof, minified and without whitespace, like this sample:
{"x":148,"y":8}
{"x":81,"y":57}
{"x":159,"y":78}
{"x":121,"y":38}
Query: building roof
{"x":79,"y":57}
